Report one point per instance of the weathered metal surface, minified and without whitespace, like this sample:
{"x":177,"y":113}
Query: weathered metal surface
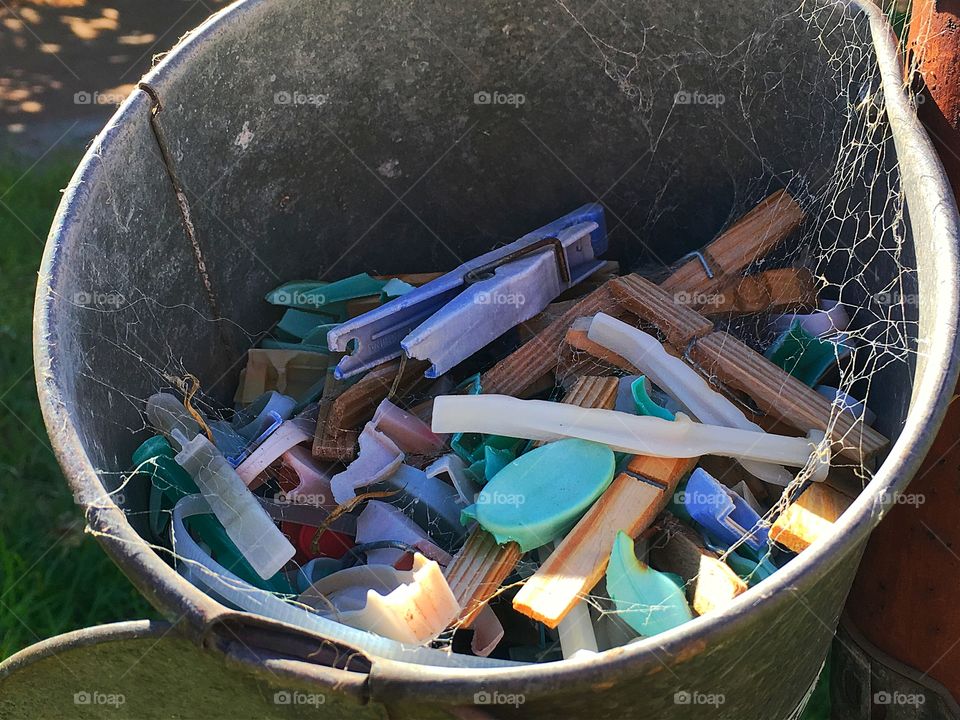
{"x":321,"y":139}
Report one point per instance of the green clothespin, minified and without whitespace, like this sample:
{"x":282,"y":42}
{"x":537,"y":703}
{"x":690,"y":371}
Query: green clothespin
{"x":168,"y":481}
{"x":211,"y":532}
{"x":295,"y":325}
{"x":645,"y":404}
{"x":806,"y":356}
{"x":541,"y":494}
{"x":649,"y":601}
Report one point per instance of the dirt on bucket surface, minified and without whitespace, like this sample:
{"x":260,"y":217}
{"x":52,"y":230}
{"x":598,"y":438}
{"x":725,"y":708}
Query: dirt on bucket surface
{"x":66,"y":64}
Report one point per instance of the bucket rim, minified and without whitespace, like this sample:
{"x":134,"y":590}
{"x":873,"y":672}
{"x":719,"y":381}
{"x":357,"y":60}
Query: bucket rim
{"x":929,"y":198}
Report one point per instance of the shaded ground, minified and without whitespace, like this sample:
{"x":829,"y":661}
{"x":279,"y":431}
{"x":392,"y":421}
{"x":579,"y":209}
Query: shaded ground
{"x":66,"y":64}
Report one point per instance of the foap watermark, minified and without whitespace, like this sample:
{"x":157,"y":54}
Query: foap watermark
{"x":498,"y":698}
{"x":898,"y":698}
{"x":288,"y":697}
{"x":299,"y":299}
{"x":912,"y":499}
{"x":495,"y":97}
{"x":97,"y":98}
{"x":697,"y":97}
{"x":699,"y":299}
{"x":694,"y":697}
{"x":98,"y":298}
{"x":500,"y":298}
{"x":501,"y":498}
{"x":295,"y":97}
{"x":95,"y":697}
{"x":698,"y":498}
{"x":311,"y":500}
{"x":896,"y":298}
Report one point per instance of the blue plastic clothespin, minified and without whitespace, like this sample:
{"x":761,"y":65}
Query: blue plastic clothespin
{"x":724,"y":515}
{"x":450,"y":318}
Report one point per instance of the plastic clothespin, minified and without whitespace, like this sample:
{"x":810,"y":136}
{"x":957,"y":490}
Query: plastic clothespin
{"x":412,"y":606}
{"x":428,"y":501}
{"x":251,"y":421}
{"x":723,"y":514}
{"x":537,"y":497}
{"x":644,"y":403}
{"x":805,"y":356}
{"x":450,"y":318}
{"x":168,"y":481}
{"x":246,"y":523}
{"x":313,"y":487}
{"x":410,"y":433}
{"x":271,"y":445}
{"x":238,"y":458}
{"x":649,"y":601}
{"x":379,"y":457}
{"x":829,"y":319}
{"x":548,"y":421}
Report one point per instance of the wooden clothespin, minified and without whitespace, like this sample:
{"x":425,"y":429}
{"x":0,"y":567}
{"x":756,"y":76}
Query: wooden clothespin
{"x":710,"y":583}
{"x":749,"y":239}
{"x":810,"y":517}
{"x":576,"y":337}
{"x":779,"y":290}
{"x":353,"y":405}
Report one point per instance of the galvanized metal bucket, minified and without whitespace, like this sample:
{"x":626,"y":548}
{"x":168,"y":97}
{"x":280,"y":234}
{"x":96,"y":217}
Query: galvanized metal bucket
{"x":288,"y":138}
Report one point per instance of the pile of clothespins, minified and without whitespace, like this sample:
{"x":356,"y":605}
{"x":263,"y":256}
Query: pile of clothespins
{"x":528,"y":457}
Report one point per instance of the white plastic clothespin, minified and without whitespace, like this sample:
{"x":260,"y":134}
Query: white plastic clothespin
{"x":638,"y":435}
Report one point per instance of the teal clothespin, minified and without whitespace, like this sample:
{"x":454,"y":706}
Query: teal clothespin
{"x":806,"y":356}
{"x":541,"y":494}
{"x":645,"y":404}
{"x":649,"y":601}
{"x":168,"y":481}
{"x":295,"y":325}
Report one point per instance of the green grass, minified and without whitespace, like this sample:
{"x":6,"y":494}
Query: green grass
{"x":53,"y":577}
